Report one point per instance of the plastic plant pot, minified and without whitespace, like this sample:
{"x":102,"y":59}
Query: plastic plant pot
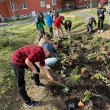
{"x":83,"y":70}
{"x":71,"y":106}
{"x":97,"y":58}
{"x":103,"y":97}
{"x":108,"y":76}
{"x":81,"y":104}
{"x":70,"y":63}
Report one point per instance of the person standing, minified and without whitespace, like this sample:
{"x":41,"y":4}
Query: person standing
{"x":57,"y":23}
{"x":24,"y":58}
{"x":40,"y":25}
{"x":49,"y":22}
{"x":54,"y":14}
{"x":89,"y":24}
{"x":109,"y":15}
{"x":100,"y":13}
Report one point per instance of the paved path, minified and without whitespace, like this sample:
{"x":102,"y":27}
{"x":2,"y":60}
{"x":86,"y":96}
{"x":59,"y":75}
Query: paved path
{"x":84,"y":14}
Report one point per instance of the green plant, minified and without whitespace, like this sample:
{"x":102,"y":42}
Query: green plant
{"x":87,"y":95}
{"x":84,"y":38}
{"x":75,"y":70}
{"x":87,"y":67}
{"x":95,"y":54}
{"x":54,"y":108}
{"x":88,"y":47}
{"x":101,"y":77}
{"x":74,"y":79}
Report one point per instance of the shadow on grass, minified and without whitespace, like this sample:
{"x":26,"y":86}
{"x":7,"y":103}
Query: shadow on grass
{"x":78,"y":25}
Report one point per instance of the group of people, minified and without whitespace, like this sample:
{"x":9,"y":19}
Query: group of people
{"x":26,"y":56}
{"x":90,"y":20}
{"x":52,"y":17}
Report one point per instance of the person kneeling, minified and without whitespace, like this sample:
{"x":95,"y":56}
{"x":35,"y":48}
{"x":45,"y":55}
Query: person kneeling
{"x":89,"y":24}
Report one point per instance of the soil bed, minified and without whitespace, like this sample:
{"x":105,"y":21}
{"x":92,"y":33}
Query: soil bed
{"x":97,"y":86}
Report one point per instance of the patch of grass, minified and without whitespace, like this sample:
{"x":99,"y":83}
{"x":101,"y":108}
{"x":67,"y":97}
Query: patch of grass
{"x":18,"y":26}
{"x":21,"y":19}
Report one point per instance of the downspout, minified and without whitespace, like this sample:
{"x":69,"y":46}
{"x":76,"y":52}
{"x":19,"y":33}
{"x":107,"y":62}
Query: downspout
{"x":12,"y":10}
{"x":15,"y":9}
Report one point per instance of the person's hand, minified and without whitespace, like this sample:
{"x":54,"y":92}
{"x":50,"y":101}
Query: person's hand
{"x":50,"y":78}
{"x":34,"y":71}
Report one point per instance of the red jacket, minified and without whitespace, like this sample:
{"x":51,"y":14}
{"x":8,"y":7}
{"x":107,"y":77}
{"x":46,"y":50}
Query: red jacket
{"x":58,"y":21}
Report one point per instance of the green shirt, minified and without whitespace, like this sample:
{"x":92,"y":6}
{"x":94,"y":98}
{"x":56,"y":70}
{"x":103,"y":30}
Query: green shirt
{"x":40,"y":24}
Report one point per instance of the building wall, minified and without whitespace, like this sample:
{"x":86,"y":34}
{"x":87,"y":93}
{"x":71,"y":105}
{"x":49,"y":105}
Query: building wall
{"x":81,"y":3}
{"x":34,"y":5}
{"x":3,"y":9}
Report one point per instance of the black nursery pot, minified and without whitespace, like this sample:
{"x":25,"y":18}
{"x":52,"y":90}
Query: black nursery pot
{"x":72,"y":106}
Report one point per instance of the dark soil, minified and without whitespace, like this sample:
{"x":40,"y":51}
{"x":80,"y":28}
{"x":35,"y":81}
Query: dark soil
{"x":73,"y":96}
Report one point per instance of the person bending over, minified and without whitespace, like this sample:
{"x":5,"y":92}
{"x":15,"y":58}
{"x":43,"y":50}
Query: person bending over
{"x":57,"y":23}
{"x":67,"y":26}
{"x":24,"y":58}
{"x":89,"y":24}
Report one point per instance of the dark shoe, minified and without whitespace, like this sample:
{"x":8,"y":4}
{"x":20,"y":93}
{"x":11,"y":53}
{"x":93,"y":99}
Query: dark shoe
{"x":40,"y":85}
{"x":33,"y":77}
{"x":32,"y":104}
{"x":92,"y":31}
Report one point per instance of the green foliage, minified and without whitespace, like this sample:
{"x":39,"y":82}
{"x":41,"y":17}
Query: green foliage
{"x":95,"y":54}
{"x":101,"y":77}
{"x":88,"y":47}
{"x":54,"y":108}
{"x":87,"y":95}
{"x":74,"y":79}
{"x":75,"y":70}
{"x":88,"y":68}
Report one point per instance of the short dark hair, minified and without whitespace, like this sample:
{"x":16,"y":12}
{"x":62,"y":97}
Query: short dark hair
{"x":63,"y":17}
{"x":47,"y":34}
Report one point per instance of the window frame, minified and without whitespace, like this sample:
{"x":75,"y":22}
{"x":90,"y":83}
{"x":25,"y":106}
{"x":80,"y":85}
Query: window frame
{"x":80,"y":0}
{"x":13,"y":5}
{"x":53,"y":2}
{"x":42,"y":2}
{"x":22,"y":5}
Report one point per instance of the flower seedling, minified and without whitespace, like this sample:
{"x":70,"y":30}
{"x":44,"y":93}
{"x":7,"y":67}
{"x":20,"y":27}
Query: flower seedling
{"x":86,"y":96}
{"x":75,"y":70}
{"x":74,"y":79}
{"x":101,"y":77}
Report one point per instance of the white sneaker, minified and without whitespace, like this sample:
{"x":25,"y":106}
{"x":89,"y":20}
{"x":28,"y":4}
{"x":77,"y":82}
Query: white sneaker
{"x":47,"y":67}
{"x":101,"y":31}
{"x":98,"y":31}
{"x":58,"y":38}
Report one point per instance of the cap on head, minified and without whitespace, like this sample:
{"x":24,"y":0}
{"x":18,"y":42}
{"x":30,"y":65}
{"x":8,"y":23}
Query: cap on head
{"x":50,"y":48}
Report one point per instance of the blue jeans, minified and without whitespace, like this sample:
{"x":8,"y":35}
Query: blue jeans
{"x":89,"y":27}
{"x":50,"y":61}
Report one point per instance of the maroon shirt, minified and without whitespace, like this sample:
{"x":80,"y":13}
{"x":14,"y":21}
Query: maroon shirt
{"x":33,"y":53}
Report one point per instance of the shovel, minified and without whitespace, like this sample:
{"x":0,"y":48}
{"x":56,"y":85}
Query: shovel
{"x":65,"y":87}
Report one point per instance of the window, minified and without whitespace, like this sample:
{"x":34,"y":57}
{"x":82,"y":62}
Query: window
{"x":80,"y":0}
{"x":24,"y":5}
{"x":14,"y":6}
{"x":42,"y":3}
{"x":53,"y":2}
